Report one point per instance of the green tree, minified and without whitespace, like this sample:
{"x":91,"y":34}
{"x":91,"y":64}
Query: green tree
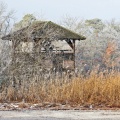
{"x":26,"y":21}
{"x":96,"y":24}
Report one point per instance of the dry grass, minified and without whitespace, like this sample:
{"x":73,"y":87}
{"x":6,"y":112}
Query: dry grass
{"x":95,"y":90}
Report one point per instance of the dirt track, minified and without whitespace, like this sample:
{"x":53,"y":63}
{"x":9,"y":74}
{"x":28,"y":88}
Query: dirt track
{"x":59,"y":115}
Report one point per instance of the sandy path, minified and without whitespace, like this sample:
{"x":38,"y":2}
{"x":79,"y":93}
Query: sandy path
{"x":59,"y":115}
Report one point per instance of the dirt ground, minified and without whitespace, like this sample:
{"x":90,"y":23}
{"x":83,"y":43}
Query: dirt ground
{"x":60,"y":115}
{"x":48,"y":111}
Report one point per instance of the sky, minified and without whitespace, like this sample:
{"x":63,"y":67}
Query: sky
{"x":55,"y":10}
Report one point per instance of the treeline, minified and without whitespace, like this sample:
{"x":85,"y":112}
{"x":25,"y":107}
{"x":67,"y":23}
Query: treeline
{"x":100,"y":51}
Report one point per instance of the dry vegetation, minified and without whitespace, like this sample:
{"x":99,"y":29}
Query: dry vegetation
{"x":94,"y":90}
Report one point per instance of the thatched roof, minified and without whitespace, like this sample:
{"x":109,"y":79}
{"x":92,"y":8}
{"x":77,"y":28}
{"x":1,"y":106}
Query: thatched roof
{"x":41,"y":30}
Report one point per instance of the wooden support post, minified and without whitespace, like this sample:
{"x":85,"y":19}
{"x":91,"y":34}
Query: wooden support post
{"x":12,"y":74}
{"x":74,"y":53}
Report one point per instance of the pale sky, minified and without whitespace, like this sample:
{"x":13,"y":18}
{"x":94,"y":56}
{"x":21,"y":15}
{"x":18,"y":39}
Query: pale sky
{"x":54,"y":10}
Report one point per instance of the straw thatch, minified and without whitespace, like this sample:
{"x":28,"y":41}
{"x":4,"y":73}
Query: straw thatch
{"x":43,"y":29}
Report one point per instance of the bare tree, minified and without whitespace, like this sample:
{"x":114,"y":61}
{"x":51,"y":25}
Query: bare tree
{"x":6,"y":21}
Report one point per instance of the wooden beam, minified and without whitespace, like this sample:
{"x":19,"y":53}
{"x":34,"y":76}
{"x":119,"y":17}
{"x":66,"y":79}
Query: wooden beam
{"x":70,"y":43}
{"x":74,"y":53}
